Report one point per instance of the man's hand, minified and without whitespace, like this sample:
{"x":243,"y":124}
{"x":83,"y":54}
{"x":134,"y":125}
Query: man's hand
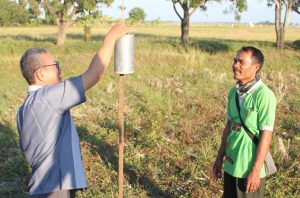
{"x":117,"y":31}
{"x":217,"y":168}
{"x":102,"y":58}
{"x":253,"y":180}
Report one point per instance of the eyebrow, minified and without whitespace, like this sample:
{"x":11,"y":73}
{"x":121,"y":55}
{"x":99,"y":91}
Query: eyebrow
{"x":238,"y":59}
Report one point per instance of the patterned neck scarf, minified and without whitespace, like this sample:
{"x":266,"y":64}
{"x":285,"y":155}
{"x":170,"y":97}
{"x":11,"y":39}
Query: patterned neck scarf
{"x":246,"y":87}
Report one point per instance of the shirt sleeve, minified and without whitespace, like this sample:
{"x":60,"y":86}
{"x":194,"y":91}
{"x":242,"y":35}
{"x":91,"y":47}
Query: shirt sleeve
{"x":65,"y":95}
{"x":229,"y":98}
{"x":266,"y":111}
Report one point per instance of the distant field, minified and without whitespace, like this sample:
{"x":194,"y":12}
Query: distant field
{"x":175,"y":108}
{"x":218,"y":31}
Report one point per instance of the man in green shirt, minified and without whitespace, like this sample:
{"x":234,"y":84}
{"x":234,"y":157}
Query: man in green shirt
{"x":244,"y":169}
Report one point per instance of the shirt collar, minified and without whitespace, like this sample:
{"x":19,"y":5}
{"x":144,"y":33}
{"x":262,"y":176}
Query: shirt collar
{"x":34,"y":87}
{"x":256,"y":85}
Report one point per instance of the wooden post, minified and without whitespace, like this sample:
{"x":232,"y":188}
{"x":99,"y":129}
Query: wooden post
{"x":121,"y":133}
{"x":121,"y":126}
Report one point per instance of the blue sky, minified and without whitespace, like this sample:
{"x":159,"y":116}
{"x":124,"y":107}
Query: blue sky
{"x":257,"y":11}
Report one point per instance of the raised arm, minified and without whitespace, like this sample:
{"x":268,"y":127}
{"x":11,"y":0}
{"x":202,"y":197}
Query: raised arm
{"x":102,"y":58}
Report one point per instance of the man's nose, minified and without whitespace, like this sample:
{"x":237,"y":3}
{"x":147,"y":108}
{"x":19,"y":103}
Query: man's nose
{"x":235,"y":64}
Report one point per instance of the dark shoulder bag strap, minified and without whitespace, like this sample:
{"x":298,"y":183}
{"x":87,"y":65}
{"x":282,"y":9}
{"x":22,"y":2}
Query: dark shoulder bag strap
{"x":270,"y":164}
{"x":251,"y":135}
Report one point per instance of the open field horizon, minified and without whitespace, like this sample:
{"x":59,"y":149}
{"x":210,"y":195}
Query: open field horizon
{"x":175,"y":108}
{"x":242,"y":31}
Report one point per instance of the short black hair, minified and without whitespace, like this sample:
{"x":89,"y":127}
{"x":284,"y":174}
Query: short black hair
{"x":30,"y":61}
{"x":257,"y":55}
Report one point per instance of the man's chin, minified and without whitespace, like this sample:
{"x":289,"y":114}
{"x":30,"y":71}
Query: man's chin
{"x":58,"y":81}
{"x":235,"y":77}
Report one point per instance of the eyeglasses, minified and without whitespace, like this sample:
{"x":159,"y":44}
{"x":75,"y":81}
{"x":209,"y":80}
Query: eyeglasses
{"x":54,"y":64}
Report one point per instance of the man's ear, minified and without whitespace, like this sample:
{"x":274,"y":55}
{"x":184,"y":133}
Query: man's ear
{"x":257,"y":66}
{"x":39,"y":75}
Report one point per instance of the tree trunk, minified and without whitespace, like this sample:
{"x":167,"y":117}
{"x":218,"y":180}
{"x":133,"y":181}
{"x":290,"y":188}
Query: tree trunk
{"x":62,"y":31}
{"x":185,"y":24}
{"x":288,"y":10}
{"x":278,"y":27}
{"x":87,"y":33}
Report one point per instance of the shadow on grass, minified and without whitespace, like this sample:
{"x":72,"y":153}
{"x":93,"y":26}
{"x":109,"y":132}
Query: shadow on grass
{"x":110,"y":154}
{"x":214,"y":46}
{"x":210,"y":46}
{"x":24,"y":37}
{"x":79,"y":37}
{"x":50,"y":38}
{"x":295,"y":45}
{"x":14,"y":170}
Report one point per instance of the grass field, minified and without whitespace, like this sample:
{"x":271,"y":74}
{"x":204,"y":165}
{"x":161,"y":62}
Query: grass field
{"x":175,"y":108}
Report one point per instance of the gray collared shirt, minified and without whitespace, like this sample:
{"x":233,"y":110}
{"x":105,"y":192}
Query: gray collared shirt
{"x":49,"y":139}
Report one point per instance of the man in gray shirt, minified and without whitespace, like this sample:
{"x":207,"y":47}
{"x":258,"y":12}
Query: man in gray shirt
{"x":48,"y":136}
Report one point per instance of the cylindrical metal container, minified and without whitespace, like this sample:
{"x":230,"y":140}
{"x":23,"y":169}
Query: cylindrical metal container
{"x":124,"y":54}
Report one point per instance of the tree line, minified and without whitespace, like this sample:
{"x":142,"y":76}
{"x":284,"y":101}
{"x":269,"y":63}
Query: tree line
{"x":65,"y":13}
{"x":282,"y":7}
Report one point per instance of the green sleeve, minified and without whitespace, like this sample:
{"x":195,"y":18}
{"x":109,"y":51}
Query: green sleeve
{"x":266,"y":109}
{"x":229,"y":98}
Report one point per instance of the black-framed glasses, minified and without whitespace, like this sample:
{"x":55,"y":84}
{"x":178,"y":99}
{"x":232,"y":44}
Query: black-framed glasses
{"x":56,"y":64}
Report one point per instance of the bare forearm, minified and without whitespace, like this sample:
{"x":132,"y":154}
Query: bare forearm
{"x":262,"y":150}
{"x":99,"y":63}
{"x":103,"y":56}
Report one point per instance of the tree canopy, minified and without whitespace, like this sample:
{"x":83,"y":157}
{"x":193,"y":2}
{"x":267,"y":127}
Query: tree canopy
{"x":137,"y":15}
{"x":13,"y":13}
{"x":68,"y":11}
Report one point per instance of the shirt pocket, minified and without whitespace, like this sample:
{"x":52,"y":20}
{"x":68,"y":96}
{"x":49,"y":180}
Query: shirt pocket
{"x":250,"y":117}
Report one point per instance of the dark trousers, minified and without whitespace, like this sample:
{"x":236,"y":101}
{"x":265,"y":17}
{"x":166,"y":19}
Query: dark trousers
{"x":57,"y":194}
{"x":236,"y":188}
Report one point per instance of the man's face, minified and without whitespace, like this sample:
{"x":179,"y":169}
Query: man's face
{"x":49,"y":72}
{"x":244,"y":68}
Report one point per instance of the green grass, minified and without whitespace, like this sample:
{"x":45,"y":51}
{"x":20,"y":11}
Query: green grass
{"x":175,"y":109}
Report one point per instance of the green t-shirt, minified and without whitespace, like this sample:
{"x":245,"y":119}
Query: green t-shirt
{"x":258,"y":113}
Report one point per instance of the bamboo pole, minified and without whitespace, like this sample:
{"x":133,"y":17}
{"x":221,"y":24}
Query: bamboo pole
{"x":121,"y":126}
{"x":121,"y":132}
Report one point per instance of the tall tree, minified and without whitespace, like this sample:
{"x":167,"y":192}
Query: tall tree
{"x":137,"y":15}
{"x":281,"y":27}
{"x":190,"y":6}
{"x":68,"y":11}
